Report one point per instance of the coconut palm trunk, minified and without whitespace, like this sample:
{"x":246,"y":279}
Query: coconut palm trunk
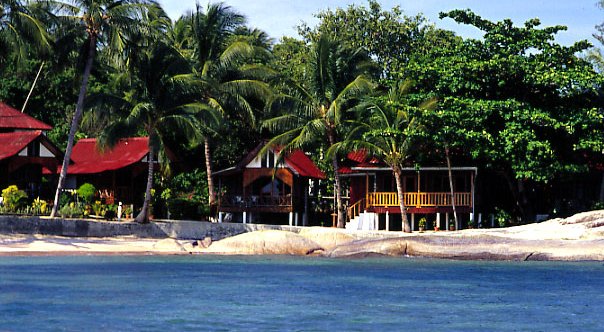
{"x":341,"y":213}
{"x":75,"y":122}
{"x":143,"y":216}
{"x":451,"y":186}
{"x":401,"y":199}
{"x":208,"y":156}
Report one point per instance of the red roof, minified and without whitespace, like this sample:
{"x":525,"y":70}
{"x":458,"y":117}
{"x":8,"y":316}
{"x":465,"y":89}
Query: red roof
{"x":303,"y":165}
{"x":89,"y":160}
{"x":12,"y":143}
{"x":13,"y":119}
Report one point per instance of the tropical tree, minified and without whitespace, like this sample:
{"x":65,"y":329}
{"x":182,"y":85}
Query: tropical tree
{"x":227,"y":68}
{"x":20,"y":30}
{"x":386,"y":128}
{"x":316,"y":110}
{"x":106,"y":23}
{"x":159,"y":104}
{"x":517,"y":103}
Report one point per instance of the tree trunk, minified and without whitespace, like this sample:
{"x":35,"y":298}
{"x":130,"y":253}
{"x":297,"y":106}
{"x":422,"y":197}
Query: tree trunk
{"x":75,"y":123}
{"x":208,"y":156}
{"x":337,"y":186}
{"x":33,"y":85}
{"x":515,"y":192}
{"x":396,"y":170}
{"x":143,"y":216}
{"x":602,"y":188}
{"x":457,"y":225}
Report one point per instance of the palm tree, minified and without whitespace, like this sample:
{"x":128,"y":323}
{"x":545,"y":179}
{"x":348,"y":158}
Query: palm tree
{"x":386,"y":131}
{"x":160,"y":104}
{"x":20,"y":28}
{"x":105,"y":22}
{"x":224,"y":65}
{"x":317,"y":108}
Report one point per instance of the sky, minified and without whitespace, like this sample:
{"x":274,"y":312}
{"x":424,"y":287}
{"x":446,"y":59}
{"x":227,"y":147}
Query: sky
{"x":280,"y":17}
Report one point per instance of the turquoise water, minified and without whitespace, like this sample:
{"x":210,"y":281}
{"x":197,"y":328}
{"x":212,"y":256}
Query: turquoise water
{"x":198,"y":293}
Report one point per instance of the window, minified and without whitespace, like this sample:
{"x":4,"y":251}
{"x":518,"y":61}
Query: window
{"x":33,"y":149}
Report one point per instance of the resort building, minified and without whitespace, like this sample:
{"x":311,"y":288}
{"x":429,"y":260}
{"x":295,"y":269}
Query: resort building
{"x":26,"y":152}
{"x":118,"y":174}
{"x":260,"y":189}
{"x":374,"y":202}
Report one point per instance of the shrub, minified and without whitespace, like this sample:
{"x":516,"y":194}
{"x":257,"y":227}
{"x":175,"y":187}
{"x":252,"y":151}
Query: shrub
{"x":71,"y":210}
{"x":98,"y":208}
{"x":502,"y":217}
{"x":13,"y":198}
{"x":183,"y":208}
{"x":86,"y":192}
{"x":39,"y":206}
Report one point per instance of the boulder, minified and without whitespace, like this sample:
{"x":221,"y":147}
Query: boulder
{"x":327,"y":238}
{"x":266,"y":242}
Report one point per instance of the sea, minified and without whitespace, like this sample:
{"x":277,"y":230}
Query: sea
{"x":282,"y":293}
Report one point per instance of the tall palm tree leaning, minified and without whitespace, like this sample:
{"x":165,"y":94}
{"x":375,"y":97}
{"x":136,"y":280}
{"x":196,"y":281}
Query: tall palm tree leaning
{"x":385,"y":130}
{"x":20,"y":28}
{"x":223,"y":66}
{"x":106,"y":22}
{"x":160,"y":103}
{"x":317,"y":109}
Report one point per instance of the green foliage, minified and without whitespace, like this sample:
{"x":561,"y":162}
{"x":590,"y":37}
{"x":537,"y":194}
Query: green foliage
{"x":389,"y":36}
{"x":98,"y":208}
{"x":71,"y":210}
{"x":39,"y":206}
{"x":422,"y":222}
{"x":502,"y":217}
{"x":13,"y":198}
{"x":86,"y":192}
{"x":186,"y":195}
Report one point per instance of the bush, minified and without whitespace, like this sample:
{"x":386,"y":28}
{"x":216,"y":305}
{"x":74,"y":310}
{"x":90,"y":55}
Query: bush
{"x":39,"y":206}
{"x":71,"y":210}
{"x":502,"y":217}
{"x":183,"y":208}
{"x":86,"y":192}
{"x":13,"y":199}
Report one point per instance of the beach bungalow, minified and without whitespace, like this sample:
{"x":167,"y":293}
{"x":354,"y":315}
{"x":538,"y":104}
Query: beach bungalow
{"x":25,"y":152}
{"x":374,"y":202}
{"x":118,"y":174}
{"x":255,"y":191}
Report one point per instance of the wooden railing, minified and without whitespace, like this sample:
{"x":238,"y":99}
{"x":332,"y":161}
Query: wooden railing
{"x":355,"y":209}
{"x":421,"y":199}
{"x":255,"y":200}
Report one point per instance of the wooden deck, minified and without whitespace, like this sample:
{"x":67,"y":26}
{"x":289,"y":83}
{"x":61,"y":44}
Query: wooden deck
{"x":420,"y":201}
{"x":256,"y":203}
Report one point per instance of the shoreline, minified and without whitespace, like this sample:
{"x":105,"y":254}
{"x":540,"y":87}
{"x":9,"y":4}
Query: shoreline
{"x":578,"y":238}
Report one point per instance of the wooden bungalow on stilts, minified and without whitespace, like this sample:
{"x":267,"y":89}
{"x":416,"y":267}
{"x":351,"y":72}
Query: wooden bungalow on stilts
{"x":256,"y":190}
{"x":374,"y":202}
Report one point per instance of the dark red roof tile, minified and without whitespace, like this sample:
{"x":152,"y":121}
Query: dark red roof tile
{"x":11,"y":118}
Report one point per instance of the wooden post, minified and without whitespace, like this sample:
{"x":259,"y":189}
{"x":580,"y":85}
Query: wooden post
{"x":412,"y":221}
{"x":447,"y":221}
{"x":387,"y":221}
{"x":438,"y":219}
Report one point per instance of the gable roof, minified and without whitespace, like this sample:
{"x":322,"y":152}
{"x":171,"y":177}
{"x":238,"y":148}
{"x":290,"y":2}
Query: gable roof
{"x":89,"y":160}
{"x":303,"y":165}
{"x":297,"y":161}
{"x":11,"y":118}
{"x":13,"y":143}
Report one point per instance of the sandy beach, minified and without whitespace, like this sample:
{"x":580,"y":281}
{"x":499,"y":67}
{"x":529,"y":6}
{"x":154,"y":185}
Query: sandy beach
{"x":580,"y":237}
